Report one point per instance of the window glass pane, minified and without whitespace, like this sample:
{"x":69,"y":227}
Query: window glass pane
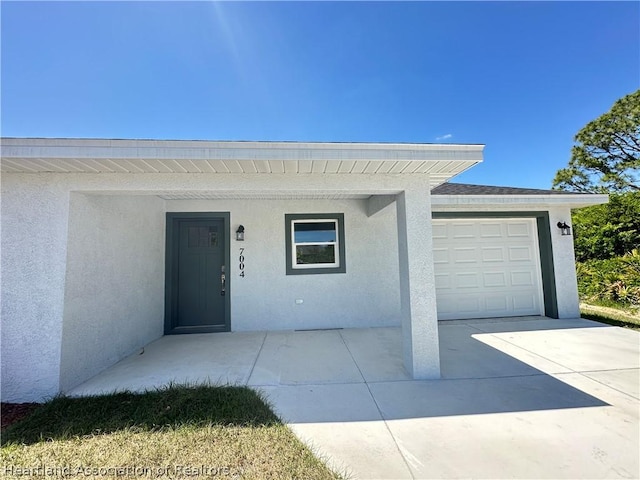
{"x":314,"y":232}
{"x":203,"y":237}
{"x":213,"y":237}
{"x":194,"y":236}
{"x":309,"y":254}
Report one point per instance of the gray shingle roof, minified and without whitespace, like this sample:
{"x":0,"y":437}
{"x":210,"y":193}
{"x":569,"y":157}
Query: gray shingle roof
{"x":468,"y":189}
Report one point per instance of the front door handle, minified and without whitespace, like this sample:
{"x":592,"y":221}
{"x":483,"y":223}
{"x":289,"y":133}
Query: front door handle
{"x":223,"y":281}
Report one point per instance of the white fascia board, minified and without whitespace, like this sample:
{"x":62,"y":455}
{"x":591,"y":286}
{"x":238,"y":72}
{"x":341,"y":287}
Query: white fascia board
{"x":70,"y":144}
{"x":178,"y":156}
{"x":201,"y":150}
{"x":457,"y":203}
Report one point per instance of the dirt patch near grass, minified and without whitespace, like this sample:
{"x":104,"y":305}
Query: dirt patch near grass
{"x":14,"y":412}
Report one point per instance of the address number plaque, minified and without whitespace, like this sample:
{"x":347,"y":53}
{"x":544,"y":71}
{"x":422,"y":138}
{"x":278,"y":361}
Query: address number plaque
{"x":241,"y":261}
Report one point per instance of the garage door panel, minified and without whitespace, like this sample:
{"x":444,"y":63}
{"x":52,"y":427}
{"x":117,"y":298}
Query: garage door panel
{"x":468,"y":304}
{"x":491,"y":230}
{"x":492,"y":254}
{"x":467,"y":280}
{"x":487,"y":268}
{"x":494,"y":279}
{"x":439,"y":231}
{"x":522,"y":279}
{"x":464,"y":230}
{"x":521,"y":254}
{"x":447,"y":309}
{"x":518,"y":229}
{"x":465,"y":255}
{"x":496,"y":304}
{"x":443,"y":281}
{"x":440,"y":255}
{"x":523,"y":303}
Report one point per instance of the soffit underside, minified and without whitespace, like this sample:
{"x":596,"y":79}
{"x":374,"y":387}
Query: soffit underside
{"x":29,"y":155}
{"x":286,"y":195}
{"x":440,"y":170}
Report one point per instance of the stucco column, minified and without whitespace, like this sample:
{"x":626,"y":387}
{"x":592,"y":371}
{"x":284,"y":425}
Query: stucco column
{"x":417,"y":284}
{"x":35,"y":213}
{"x":564,"y":265}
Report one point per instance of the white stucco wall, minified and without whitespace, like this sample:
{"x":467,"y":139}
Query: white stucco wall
{"x":114,"y":295}
{"x":265,"y":298}
{"x":34,"y":237}
{"x":113,"y":267}
{"x":110,"y":267}
{"x":564,"y":265}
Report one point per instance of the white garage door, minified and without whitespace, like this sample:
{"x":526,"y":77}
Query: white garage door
{"x":487,"y":268}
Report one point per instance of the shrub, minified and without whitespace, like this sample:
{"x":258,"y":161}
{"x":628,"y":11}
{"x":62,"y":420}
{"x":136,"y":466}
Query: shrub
{"x":614,"y":280}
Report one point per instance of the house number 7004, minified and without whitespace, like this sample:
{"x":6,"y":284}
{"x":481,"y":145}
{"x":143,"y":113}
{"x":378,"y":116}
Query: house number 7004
{"x":241,"y":260}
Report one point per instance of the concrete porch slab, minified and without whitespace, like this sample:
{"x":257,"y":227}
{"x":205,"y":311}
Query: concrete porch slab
{"x":377,"y":352}
{"x":220,"y":358}
{"x":304,"y":357}
{"x":519,"y":398}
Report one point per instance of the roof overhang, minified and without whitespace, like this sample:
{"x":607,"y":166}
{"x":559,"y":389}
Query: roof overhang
{"x":35,"y":155}
{"x":459,"y":203}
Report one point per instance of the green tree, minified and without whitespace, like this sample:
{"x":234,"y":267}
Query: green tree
{"x":606,"y":156}
{"x":608,"y":230}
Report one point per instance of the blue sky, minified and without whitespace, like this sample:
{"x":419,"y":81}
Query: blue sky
{"x":521,"y":78}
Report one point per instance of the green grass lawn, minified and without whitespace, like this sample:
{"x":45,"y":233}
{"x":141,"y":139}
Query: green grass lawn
{"x":176,"y":432}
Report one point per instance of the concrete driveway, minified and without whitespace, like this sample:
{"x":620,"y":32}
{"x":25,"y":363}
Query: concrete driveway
{"x":519,"y":398}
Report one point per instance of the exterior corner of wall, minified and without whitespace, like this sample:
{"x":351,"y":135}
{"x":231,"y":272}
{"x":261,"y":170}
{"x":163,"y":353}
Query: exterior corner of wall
{"x":114,"y":296}
{"x":564,"y":265}
{"x":34,"y":233}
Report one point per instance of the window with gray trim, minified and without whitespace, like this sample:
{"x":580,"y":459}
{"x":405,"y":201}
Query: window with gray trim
{"x":315,"y":243}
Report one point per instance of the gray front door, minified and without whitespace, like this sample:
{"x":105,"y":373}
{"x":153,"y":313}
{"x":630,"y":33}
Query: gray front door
{"x":197,"y":281}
